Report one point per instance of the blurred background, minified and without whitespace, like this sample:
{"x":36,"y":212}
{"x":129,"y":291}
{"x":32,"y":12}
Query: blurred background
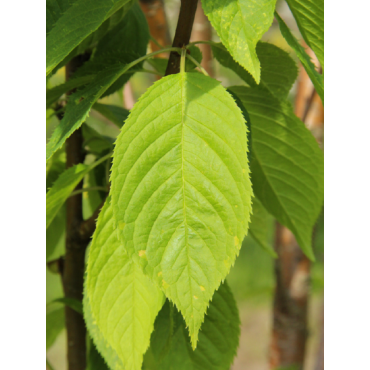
{"x":254,"y":277}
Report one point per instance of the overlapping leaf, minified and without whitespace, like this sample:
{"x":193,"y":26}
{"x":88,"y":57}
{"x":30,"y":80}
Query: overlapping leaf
{"x":218,"y":340}
{"x":260,"y":226}
{"x":181,"y":192}
{"x":286,"y":164}
{"x":278,"y":70}
{"x":316,"y":78}
{"x":309,"y":15}
{"x":110,"y":68}
{"x":120,"y":302}
{"x":71,"y":27}
{"x":114,"y":113}
{"x":240,"y":24}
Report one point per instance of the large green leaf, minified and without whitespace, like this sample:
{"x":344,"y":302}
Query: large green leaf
{"x":181,"y":191}
{"x":278,"y":70}
{"x":260,"y":226}
{"x":218,"y":339}
{"x":287,"y":164}
{"x":75,"y":24}
{"x":309,"y":15}
{"x":122,"y":302}
{"x":316,"y":78}
{"x":240,"y":25}
{"x":63,"y":187}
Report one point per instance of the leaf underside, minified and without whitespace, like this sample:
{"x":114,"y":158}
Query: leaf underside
{"x":218,"y":339}
{"x":181,"y":191}
{"x":120,"y":302}
{"x":309,"y":15}
{"x":278,"y":70}
{"x":240,"y":25}
{"x":287,"y":164}
{"x":71,"y":28}
{"x":316,"y":78}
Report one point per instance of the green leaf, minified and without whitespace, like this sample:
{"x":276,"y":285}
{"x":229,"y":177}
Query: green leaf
{"x":55,"y":235}
{"x":79,"y":105}
{"x":64,"y":186}
{"x":126,"y":42}
{"x":260,"y":226}
{"x":52,"y":95}
{"x":70,"y":302}
{"x":218,"y":339}
{"x":54,"y":325}
{"x":73,"y":26}
{"x":309,"y":15}
{"x":278,"y":70}
{"x":240,"y":25}
{"x":95,"y":361}
{"x":181,"y":191}
{"x":114,"y":113}
{"x":121,"y":300}
{"x":95,"y":142}
{"x":287,"y":164}
{"x":245,"y":114}
{"x":316,"y":78}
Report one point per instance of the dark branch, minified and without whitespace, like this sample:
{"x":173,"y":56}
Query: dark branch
{"x":74,"y":263}
{"x":183,"y":33}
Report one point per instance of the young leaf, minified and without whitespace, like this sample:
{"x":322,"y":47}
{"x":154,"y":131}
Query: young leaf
{"x":278,"y":70}
{"x":287,"y":164}
{"x":121,"y":301}
{"x":181,"y":192}
{"x":73,"y":26}
{"x":316,"y":78}
{"x":259,"y":227}
{"x":240,"y":25}
{"x":218,"y":339}
{"x":309,"y":15}
{"x":55,"y":234}
{"x":70,"y":302}
{"x":64,"y":186}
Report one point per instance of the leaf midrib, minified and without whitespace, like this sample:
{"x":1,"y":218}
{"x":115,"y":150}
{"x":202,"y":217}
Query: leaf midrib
{"x":182,"y":78}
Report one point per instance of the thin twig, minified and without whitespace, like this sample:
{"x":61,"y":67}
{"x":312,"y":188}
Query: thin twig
{"x":92,"y":188}
{"x":197,"y":64}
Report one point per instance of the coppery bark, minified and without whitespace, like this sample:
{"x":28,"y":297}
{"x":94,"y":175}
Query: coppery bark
{"x":202,"y":31}
{"x":290,"y":302}
{"x":292,"y":268}
{"x":156,"y":17}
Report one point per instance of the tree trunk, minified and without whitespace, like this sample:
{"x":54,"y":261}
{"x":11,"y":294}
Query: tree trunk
{"x":182,"y":34}
{"x":292,"y":268}
{"x":74,"y":264}
{"x":156,"y":17}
